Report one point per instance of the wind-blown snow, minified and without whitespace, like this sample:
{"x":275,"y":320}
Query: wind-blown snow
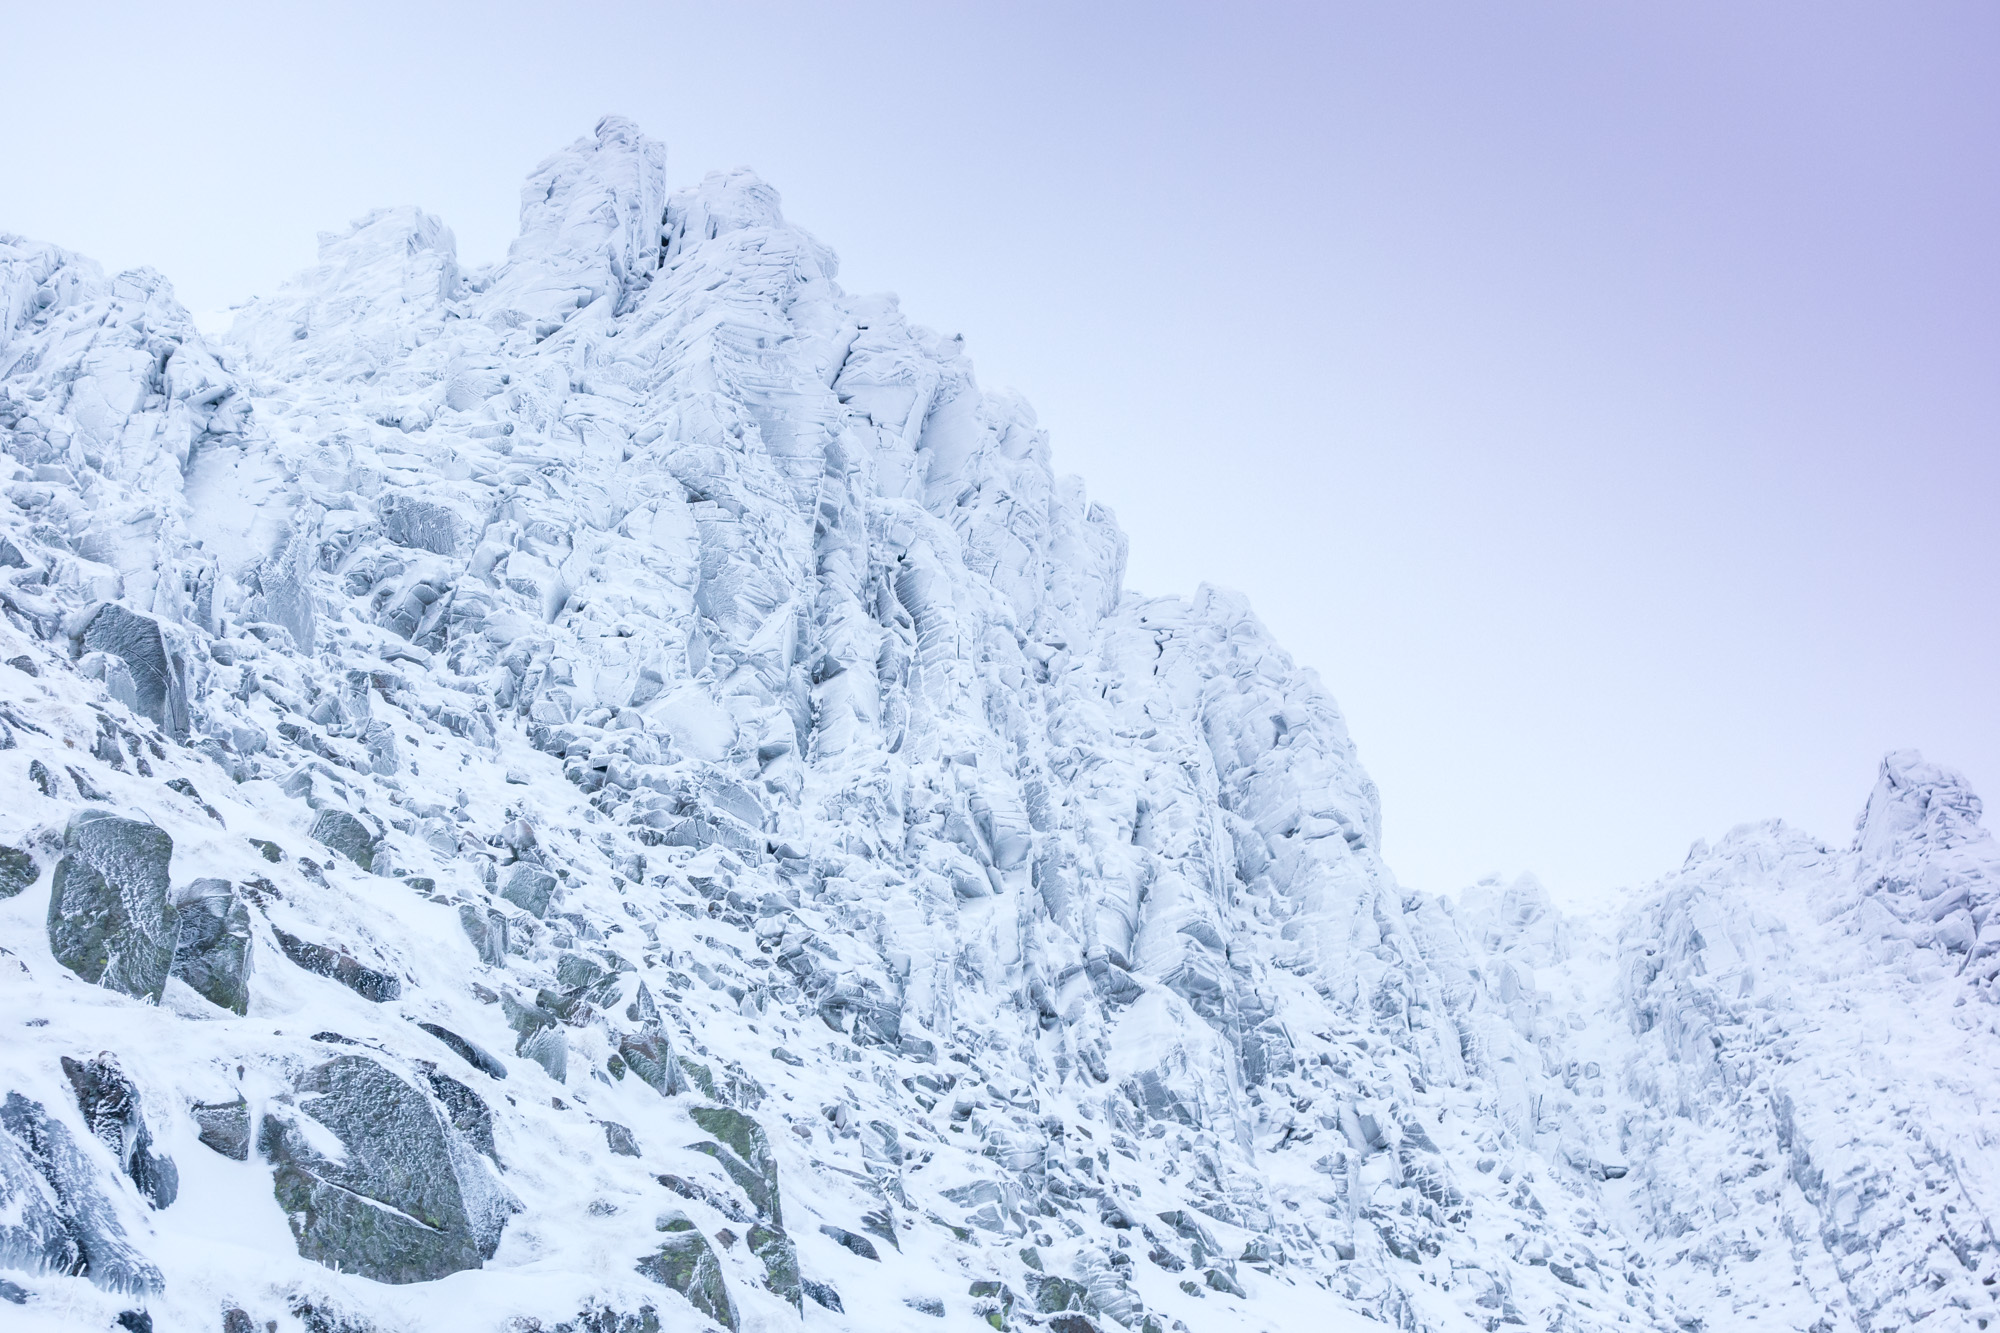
{"x":641,"y":678}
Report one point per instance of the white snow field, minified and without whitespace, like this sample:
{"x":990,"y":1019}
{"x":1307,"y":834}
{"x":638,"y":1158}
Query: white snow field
{"x":618,"y":791}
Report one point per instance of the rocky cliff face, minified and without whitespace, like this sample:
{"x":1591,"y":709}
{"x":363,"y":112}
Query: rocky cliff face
{"x":620,"y":791}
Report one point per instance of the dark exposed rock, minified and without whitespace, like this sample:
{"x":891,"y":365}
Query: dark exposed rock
{"x":781,"y":1264}
{"x":407,"y":1200}
{"x":824,"y":1294}
{"x":586,"y":982}
{"x":18,"y":871}
{"x":1055,"y":1294}
{"x":993,"y":1300}
{"x":1206,"y":1247}
{"x":45,"y":782}
{"x":1071,"y":1323}
{"x":110,"y":919}
{"x":619,"y":1139}
{"x":853,"y":1244}
{"x":224,"y":1127}
{"x":651,"y":1057}
{"x":547,"y":1048}
{"x":745,"y":1153}
{"x":882,"y":1223}
{"x":466,"y":1110}
{"x":321,"y":1315}
{"x":466,"y":1051}
{"x":487,"y":930}
{"x":158,"y":674}
{"x":538,"y":1036}
{"x":54,"y":1216}
{"x":212,"y":950}
{"x":110,"y":1106}
{"x":270,"y":850}
{"x":686,"y":1263}
{"x":345,"y":834}
{"x":643,"y":1010}
{"x":34,"y":1234}
{"x":187,"y":789}
{"x":604,"y":1319}
{"x":722,"y":1203}
{"x":135,"y":1321}
{"x":349,"y":971}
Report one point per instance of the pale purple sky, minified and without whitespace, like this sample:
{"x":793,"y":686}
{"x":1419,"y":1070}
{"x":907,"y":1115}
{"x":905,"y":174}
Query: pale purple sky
{"x":1605,"y":398}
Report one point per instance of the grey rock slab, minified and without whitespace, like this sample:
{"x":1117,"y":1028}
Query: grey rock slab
{"x":487,"y":929}
{"x":548,"y":1048}
{"x":212,"y":946}
{"x":158,"y":674}
{"x":685,"y":1262}
{"x":34,"y":1235}
{"x":529,"y":888}
{"x":405,"y":1200}
{"x":651,"y":1056}
{"x":853,"y":1244}
{"x":347,"y":835}
{"x":473,"y":1055}
{"x":18,"y":871}
{"x":774,"y":1250}
{"x":110,"y":1106}
{"x":745,"y":1153}
{"x":467,"y":1110}
{"x":365,"y":981}
{"x":59,"y":1180}
{"x":224,"y":1127}
{"x":111,"y":920}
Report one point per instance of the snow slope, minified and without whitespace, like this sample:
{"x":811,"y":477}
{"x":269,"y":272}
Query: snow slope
{"x":674,"y":817}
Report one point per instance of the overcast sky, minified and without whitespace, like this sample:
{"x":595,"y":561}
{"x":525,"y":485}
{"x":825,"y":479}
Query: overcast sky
{"x":1604,"y":398}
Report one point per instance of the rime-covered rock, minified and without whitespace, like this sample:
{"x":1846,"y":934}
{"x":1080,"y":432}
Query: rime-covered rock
{"x":18,"y":871}
{"x":686,"y":1263}
{"x":212,"y":943}
{"x":111,"y":1108}
{"x":155,"y":671}
{"x":111,"y":919}
{"x":59,"y":1217}
{"x":224,"y":1127}
{"x":404,"y":1199}
{"x":337,"y":965}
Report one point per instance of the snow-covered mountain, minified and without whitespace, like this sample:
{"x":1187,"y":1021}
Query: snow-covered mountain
{"x":620,"y":791}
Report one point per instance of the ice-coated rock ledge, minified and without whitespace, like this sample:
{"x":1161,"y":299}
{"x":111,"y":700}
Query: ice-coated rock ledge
{"x":620,"y":791}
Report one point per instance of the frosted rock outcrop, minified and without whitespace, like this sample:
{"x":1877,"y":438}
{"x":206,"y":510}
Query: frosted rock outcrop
{"x":664,"y":810}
